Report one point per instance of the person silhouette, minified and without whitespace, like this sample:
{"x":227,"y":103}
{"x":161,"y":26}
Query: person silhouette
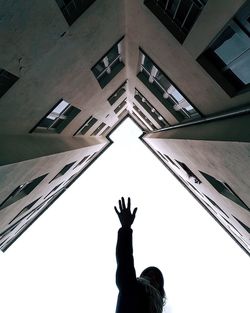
{"x":144,"y":294}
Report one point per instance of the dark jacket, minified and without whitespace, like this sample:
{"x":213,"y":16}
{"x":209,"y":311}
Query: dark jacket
{"x":132,"y":297}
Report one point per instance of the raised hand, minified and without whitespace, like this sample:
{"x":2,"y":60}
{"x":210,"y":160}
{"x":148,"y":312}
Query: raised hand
{"x":125,"y":216}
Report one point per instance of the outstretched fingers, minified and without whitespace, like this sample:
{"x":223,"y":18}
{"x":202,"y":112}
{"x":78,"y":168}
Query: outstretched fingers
{"x":134,"y":212}
{"x":129,"y":204}
{"x":117,"y":212}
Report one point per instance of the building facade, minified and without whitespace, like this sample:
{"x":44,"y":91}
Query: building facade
{"x":71,"y":71}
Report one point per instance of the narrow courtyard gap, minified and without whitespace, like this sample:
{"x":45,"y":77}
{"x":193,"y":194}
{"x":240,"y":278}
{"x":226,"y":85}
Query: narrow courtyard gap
{"x":65,"y":262}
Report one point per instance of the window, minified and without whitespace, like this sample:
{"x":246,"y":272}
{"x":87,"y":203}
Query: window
{"x":54,"y":189}
{"x":99,"y":128}
{"x":86,"y":126}
{"x":117,"y":94}
{"x":224,"y":189}
{"x":6,"y":81}
{"x":109,"y":65}
{"x":141,"y":123}
{"x":57,"y":119}
{"x":149,"y":125}
{"x":227,"y":59}
{"x":120,"y":106}
{"x":150,"y":109}
{"x":82,"y":161}
{"x":63,"y":170}
{"x":105,"y":131}
{"x":21,"y":191}
{"x":247,"y":228}
{"x":178,"y":16}
{"x":166,"y":157}
{"x":216,"y":206}
{"x":24,"y":210}
{"x":72,"y":9}
{"x":122,"y":114}
{"x":189,"y":173}
{"x":160,"y":85}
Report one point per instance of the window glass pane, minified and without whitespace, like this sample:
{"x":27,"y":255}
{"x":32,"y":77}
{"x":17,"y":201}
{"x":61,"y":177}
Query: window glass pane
{"x":162,"y":3}
{"x":51,"y":117}
{"x":162,"y":80}
{"x":233,"y":47}
{"x":46,"y":122}
{"x":235,"y":53}
{"x":242,"y":68}
{"x":175,"y":93}
{"x":60,"y":107}
{"x":6,"y":81}
{"x":99,"y":68}
{"x":113,"y":54}
{"x":57,"y":123}
{"x":147,"y":64}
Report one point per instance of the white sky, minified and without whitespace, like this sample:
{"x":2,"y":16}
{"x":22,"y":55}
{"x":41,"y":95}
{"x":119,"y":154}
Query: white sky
{"x":65,"y":262}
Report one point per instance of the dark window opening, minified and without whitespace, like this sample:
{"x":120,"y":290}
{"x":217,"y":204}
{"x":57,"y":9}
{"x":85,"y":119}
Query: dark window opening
{"x":117,"y":94}
{"x":224,"y":189}
{"x":72,"y":9}
{"x":86,"y":126}
{"x":144,"y":118}
{"x":21,"y":191}
{"x":109,"y":65}
{"x":54,"y":189}
{"x":216,"y":205}
{"x":6,"y":81}
{"x":57,"y":119}
{"x":227,"y":59}
{"x":164,"y":90}
{"x":140,"y":122}
{"x":122,"y":113}
{"x":98,"y":129}
{"x":82,"y":161}
{"x":247,"y":228}
{"x":63,"y":170}
{"x":169,"y":160}
{"x":150,"y":109}
{"x":120,"y":106}
{"x":189,"y":172}
{"x":178,"y":16}
{"x":106,"y":130}
{"x":25,"y":209}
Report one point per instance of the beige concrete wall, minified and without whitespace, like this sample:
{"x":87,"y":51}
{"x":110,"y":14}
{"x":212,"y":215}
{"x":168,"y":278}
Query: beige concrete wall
{"x":227,"y":161}
{"x":60,"y":67}
{"x":24,"y":147}
{"x":179,"y":61}
{"x":13,"y":175}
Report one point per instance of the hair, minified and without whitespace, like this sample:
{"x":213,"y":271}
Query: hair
{"x":156,"y":293}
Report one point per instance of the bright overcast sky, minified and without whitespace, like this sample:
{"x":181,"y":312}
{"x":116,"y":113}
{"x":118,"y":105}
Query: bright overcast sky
{"x":65,"y":262}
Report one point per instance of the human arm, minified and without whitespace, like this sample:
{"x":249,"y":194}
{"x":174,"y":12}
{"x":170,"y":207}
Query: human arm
{"x":125,"y":274}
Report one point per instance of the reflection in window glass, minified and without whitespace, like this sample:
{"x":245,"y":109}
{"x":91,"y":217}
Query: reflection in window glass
{"x":109,"y":65}
{"x":227,"y":59}
{"x":164,"y":90}
{"x":57,"y":119}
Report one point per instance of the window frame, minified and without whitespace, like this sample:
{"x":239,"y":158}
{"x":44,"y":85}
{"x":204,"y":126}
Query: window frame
{"x":7,"y":80}
{"x":182,"y":115}
{"x":21,"y":191}
{"x":216,"y":68}
{"x":60,"y":118}
{"x":171,"y":23}
{"x":65,"y":11}
{"x":105,"y":79}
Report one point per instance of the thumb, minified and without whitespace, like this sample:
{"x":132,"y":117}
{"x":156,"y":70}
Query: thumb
{"x":134,"y":212}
